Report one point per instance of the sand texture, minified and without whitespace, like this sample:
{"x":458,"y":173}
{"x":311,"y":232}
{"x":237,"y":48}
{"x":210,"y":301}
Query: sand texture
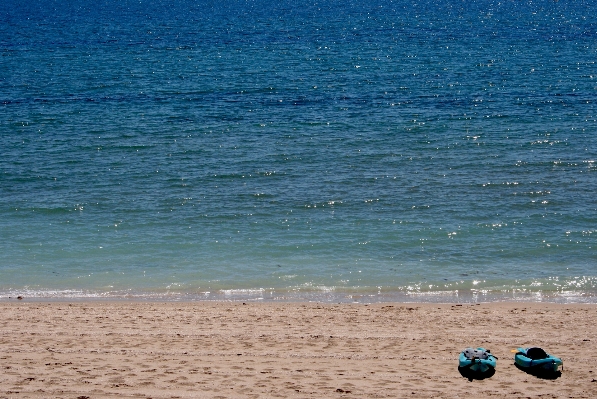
{"x":298,"y":350}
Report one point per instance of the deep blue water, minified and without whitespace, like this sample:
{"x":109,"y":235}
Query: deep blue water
{"x":296,"y":150}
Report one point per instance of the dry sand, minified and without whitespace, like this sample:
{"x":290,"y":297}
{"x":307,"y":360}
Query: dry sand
{"x":303,"y":350}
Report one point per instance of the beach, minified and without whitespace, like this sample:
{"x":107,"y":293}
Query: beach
{"x":330,"y":199}
{"x":305,"y":350}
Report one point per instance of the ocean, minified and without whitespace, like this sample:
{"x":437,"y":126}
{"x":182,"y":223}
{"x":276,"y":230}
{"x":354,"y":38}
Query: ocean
{"x":337,"y":151}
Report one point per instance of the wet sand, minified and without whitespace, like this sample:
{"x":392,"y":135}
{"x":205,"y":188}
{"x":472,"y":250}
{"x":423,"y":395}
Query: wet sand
{"x":303,"y":350}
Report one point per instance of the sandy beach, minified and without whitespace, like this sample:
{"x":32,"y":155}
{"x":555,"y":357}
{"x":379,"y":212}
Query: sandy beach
{"x":303,"y":350}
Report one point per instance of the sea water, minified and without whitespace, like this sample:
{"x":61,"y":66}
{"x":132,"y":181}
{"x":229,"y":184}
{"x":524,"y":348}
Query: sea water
{"x":299,"y":150}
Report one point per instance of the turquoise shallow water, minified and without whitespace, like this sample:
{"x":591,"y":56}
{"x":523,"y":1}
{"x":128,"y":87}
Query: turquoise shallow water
{"x":299,"y":150}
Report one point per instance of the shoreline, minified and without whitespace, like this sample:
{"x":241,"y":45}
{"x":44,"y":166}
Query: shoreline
{"x":301,"y":297}
{"x":107,"y":349}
